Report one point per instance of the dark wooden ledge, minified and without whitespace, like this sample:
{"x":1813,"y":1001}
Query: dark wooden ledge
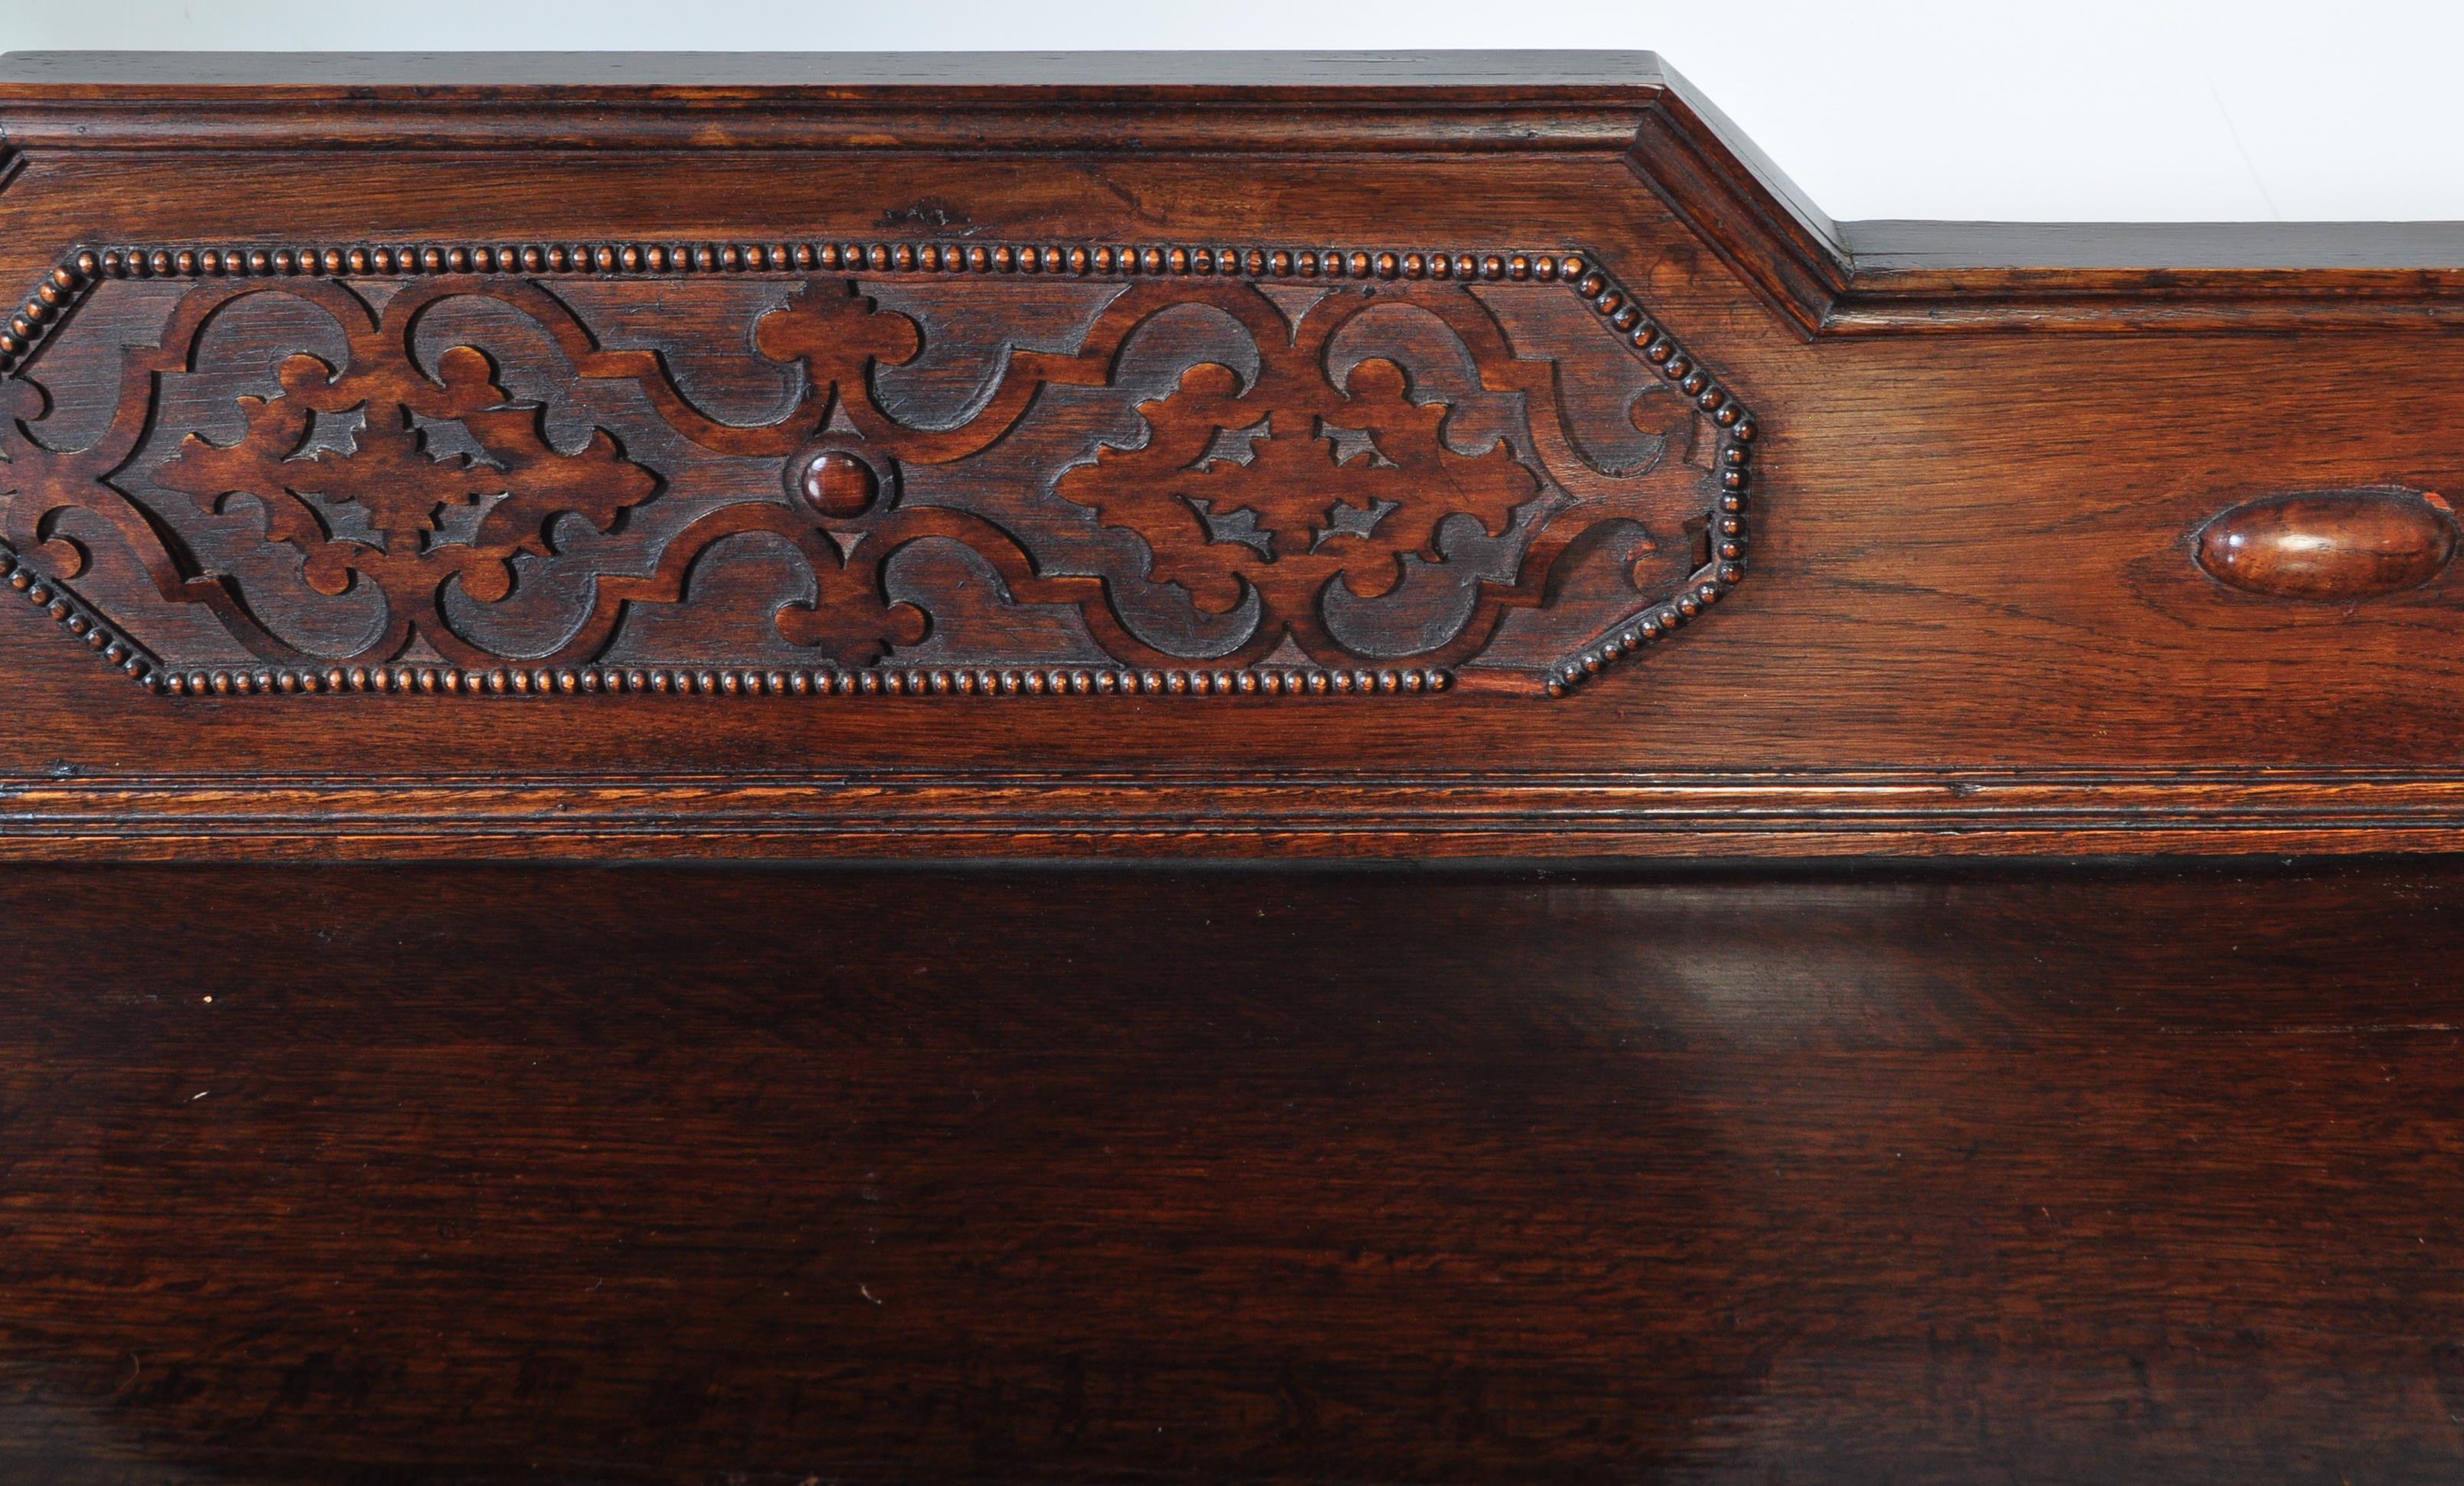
{"x":661,"y":1177}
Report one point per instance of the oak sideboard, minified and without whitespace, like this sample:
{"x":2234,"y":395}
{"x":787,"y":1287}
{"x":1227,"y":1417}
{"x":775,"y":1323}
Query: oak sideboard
{"x":1200,"y":768}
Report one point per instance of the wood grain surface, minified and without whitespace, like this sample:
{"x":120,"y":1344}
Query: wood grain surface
{"x":363,"y":410}
{"x":1976,"y":621}
{"x":635,"y":1175}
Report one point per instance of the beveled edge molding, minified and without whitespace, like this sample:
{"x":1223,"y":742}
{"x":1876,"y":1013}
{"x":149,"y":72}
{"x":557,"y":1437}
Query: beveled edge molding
{"x":1314,"y":813}
{"x":56,"y":295}
{"x":1831,"y":279}
{"x":1821,"y":277}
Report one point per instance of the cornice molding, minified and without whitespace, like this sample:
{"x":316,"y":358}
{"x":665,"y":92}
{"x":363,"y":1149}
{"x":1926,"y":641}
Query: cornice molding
{"x":1823,"y":278}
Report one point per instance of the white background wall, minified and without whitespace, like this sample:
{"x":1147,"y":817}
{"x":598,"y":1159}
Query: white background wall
{"x":2021,"y":109}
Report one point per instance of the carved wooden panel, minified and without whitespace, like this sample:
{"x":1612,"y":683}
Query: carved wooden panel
{"x":1136,"y":380}
{"x":865,"y":466}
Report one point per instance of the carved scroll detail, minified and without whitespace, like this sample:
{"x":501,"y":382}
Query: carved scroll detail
{"x":490,"y":469}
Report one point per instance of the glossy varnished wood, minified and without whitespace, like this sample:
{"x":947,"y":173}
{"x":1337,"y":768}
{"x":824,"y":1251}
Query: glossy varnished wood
{"x":669,"y":1175}
{"x":1976,"y":621}
{"x":2330,"y":546}
{"x":660,"y":1175}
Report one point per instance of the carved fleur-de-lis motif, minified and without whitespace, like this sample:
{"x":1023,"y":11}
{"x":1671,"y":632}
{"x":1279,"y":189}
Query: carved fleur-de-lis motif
{"x":500,"y":505}
{"x":1321,"y":517}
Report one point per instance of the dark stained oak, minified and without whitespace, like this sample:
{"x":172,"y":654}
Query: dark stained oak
{"x":923,"y":585}
{"x":856,"y":469}
{"x":456,"y":513}
{"x":462,"y":1174}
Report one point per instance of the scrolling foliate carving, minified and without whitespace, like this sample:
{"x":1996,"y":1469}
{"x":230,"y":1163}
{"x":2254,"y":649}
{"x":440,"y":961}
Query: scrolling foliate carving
{"x":860,"y":469}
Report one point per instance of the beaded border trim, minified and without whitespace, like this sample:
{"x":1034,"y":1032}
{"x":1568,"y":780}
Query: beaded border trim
{"x":79,"y":620}
{"x":66,"y":285}
{"x":743,"y":681}
{"x":87,"y":623}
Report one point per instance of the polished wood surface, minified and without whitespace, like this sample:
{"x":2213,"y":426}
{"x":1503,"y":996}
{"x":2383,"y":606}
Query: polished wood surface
{"x":421,"y":461}
{"x":1972,"y":615}
{"x":2331,"y":546}
{"x":2114,"y":1174}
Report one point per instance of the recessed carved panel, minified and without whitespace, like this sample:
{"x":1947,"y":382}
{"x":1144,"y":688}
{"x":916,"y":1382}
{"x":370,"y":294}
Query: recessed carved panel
{"x":861,"y":468}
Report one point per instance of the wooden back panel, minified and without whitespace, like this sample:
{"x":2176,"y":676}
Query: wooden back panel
{"x":1449,"y":454}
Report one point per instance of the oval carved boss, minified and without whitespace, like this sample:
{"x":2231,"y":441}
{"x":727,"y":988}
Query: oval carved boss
{"x":2330,"y":545}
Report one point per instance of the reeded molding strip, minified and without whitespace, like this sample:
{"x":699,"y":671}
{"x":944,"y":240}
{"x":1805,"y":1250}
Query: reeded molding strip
{"x":878,"y":813}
